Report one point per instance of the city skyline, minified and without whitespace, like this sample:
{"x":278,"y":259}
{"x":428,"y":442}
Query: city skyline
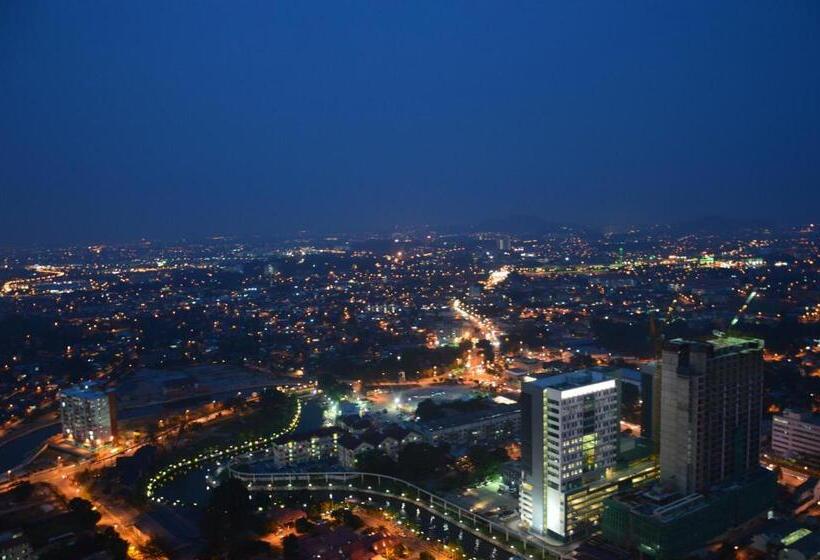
{"x":409,"y":280}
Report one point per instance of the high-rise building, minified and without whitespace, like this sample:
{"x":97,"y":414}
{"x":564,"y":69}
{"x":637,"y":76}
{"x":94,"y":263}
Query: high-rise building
{"x":711,"y":407}
{"x":711,"y":479}
{"x":569,"y":426}
{"x":649,"y":423}
{"x":88,"y":416}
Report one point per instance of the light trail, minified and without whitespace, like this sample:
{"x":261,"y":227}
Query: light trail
{"x":156,"y":482}
{"x":488,"y":330}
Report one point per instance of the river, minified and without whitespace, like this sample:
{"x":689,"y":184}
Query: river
{"x":18,"y":450}
{"x":190,"y":487}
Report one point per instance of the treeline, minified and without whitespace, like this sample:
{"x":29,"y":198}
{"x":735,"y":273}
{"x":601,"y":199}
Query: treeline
{"x":415,"y":362}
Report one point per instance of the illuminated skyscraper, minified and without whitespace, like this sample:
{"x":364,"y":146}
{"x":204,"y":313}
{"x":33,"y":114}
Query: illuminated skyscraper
{"x":87,"y":415}
{"x":569,"y":440}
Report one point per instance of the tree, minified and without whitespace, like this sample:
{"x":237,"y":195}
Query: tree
{"x":84,"y":511}
{"x":228,"y":515}
{"x":106,"y":541}
{"x":302,"y":525}
{"x":487,"y":349}
{"x":22,"y":491}
{"x":424,"y":555}
{"x":290,"y":547}
{"x":349,"y":518}
{"x":116,"y":546}
{"x":236,"y":404}
{"x":419,"y":461}
{"x":428,"y":409}
{"x":156,"y":549}
{"x":314,"y":511}
{"x":331,"y":386}
{"x":376,"y":461}
{"x":487,"y":462}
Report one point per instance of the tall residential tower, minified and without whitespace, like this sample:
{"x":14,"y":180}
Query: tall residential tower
{"x":88,"y":415}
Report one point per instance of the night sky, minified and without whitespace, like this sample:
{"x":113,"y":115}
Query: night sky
{"x":180,"y":119}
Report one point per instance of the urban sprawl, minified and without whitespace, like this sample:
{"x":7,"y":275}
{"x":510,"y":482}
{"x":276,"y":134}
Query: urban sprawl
{"x":638,"y":393}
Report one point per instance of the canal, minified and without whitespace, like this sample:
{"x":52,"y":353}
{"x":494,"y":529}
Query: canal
{"x":17,"y":450}
{"x":190,"y":487}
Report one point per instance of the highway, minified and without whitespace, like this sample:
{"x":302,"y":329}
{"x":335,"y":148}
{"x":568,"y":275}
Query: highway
{"x":485,"y":326}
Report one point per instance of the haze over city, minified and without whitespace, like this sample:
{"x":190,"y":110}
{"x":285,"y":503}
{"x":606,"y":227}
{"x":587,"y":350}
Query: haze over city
{"x":122,"y":121}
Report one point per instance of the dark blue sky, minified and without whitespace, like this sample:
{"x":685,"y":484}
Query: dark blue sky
{"x":170,"y":119}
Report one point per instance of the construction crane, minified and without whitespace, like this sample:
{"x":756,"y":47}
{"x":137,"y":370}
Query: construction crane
{"x":752,"y":295}
{"x":655,"y":332}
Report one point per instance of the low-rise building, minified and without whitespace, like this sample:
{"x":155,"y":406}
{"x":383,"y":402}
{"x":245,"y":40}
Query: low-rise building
{"x":666,"y":524}
{"x":355,"y":424}
{"x":493,"y":423}
{"x":390,"y":441}
{"x":790,"y":539}
{"x":350,"y":449}
{"x":15,"y":546}
{"x":796,"y":436}
{"x":319,"y":445}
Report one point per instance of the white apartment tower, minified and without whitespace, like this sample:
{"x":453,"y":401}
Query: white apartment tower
{"x":87,"y":415}
{"x":569,"y":426}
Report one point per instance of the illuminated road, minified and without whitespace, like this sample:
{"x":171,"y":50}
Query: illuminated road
{"x":47,"y":274}
{"x":488,"y":330}
{"x":121,"y":517}
{"x":497,"y":277}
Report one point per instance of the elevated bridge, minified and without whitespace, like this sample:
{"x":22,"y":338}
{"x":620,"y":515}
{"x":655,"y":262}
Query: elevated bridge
{"x":511,"y":540}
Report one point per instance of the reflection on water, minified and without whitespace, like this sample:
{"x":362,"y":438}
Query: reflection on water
{"x":190,"y":487}
{"x":18,"y":450}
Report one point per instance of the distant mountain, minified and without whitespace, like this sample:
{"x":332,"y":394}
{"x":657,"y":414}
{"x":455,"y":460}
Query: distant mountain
{"x":719,"y":225}
{"x":522,"y":225}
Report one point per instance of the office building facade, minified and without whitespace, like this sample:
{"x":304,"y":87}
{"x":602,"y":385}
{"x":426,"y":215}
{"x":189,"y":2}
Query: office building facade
{"x":569,"y":440}
{"x":711,"y":408}
{"x":711,"y":480}
{"x":796,"y":435}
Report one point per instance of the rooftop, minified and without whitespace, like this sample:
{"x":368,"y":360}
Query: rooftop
{"x":571,"y":380}
{"x":666,"y":504}
{"x":805,"y":417}
{"x":88,"y":390}
{"x":489,"y":411}
{"x":718,"y":345}
{"x":307,"y":436}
